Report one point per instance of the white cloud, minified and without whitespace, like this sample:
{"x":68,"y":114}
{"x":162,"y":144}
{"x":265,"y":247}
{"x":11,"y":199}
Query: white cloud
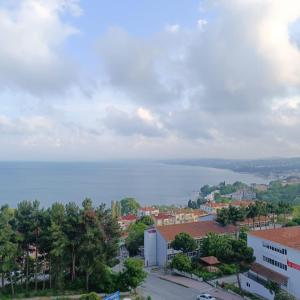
{"x":32,"y":36}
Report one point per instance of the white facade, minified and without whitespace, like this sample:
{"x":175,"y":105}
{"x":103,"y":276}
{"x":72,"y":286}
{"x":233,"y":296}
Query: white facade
{"x":278,"y":258}
{"x":156,"y":251}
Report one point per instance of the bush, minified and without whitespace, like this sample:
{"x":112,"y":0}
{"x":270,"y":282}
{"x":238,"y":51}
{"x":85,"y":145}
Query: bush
{"x":181,"y":262}
{"x":90,"y":296}
{"x":228,"y":269}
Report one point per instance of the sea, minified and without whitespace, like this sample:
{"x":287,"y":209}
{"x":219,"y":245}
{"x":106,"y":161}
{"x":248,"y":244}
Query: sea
{"x":150,"y":182}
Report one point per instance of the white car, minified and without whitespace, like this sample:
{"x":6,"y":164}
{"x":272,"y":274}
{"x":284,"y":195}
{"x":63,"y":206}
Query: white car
{"x":205,"y":297}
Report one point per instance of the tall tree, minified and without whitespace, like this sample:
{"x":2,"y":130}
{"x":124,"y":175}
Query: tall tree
{"x":72,"y":230}
{"x":184,"y":242}
{"x":129,"y":206}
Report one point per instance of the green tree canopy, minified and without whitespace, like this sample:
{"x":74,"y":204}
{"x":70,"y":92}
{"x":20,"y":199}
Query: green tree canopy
{"x":181,"y":262}
{"x":184,"y":242}
{"x":129,"y":206}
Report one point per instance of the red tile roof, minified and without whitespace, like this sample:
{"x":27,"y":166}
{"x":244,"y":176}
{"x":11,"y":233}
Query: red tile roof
{"x":287,"y":236}
{"x":147,"y":208}
{"x":268,"y":273}
{"x":210,"y":260}
{"x":128,"y":218}
{"x":195,"y":229}
{"x":163,"y":216}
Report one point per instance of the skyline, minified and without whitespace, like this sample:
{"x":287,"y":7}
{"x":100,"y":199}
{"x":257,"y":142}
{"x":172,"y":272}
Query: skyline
{"x":102,"y":80}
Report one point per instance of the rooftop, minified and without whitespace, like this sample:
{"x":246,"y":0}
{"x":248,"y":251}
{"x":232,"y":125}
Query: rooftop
{"x":287,"y":236}
{"x":268,"y":273}
{"x":163,"y":216}
{"x":147,"y":208}
{"x":196,"y":229}
{"x":210,"y":260}
{"x":128,"y":218}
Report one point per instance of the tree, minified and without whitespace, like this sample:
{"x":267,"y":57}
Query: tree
{"x":8,"y":245}
{"x":133,"y":274}
{"x":135,"y":237}
{"x":147,"y":220}
{"x":58,"y":243}
{"x":129,"y":206}
{"x":25,"y":224}
{"x":284,"y":296}
{"x":72,"y":223}
{"x":181,"y":262}
{"x":273,"y":287}
{"x":217,"y":245}
{"x":184,"y":242}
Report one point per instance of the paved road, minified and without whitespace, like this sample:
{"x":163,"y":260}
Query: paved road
{"x":160,"y":289}
{"x":169,"y":287}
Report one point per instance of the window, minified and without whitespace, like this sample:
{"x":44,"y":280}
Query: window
{"x":275,"y":263}
{"x":275,"y":249}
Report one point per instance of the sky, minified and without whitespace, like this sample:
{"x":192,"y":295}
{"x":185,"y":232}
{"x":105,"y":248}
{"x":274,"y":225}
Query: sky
{"x":148,"y":79}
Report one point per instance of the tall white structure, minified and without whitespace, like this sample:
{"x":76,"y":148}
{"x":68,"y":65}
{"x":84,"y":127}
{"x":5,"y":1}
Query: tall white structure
{"x":277,"y":253}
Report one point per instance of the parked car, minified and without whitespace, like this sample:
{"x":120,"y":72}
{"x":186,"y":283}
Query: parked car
{"x":205,"y":297}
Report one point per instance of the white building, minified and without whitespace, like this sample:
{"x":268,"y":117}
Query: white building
{"x":157,"y":249}
{"x":277,"y":253}
{"x":147,"y":211}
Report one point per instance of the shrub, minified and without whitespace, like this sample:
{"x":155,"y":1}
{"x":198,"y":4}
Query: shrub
{"x":90,"y":296}
{"x":228,"y":269}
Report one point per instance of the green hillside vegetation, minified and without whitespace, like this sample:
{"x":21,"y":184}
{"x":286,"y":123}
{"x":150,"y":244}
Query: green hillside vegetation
{"x":278,"y":192}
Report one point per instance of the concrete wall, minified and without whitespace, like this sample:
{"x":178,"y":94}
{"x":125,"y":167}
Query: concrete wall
{"x":254,"y":287}
{"x":162,"y":250}
{"x":150,"y":241}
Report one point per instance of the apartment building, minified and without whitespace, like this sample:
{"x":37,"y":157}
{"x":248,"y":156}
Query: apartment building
{"x":277,"y":253}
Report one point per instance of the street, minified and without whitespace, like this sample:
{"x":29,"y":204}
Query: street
{"x":165,"y":287}
{"x":160,"y":289}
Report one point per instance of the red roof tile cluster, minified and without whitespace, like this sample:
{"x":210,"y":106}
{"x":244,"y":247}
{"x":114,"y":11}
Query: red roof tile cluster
{"x":287,"y":236}
{"x":163,"y":216}
{"x":147,"y":208}
{"x":210,"y":260}
{"x":128,"y":218}
{"x":196,"y":229}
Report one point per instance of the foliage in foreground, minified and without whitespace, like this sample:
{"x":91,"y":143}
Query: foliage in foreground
{"x":53,"y":248}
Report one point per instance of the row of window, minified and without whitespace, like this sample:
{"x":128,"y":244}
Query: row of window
{"x":275,"y":263}
{"x":276,"y":249}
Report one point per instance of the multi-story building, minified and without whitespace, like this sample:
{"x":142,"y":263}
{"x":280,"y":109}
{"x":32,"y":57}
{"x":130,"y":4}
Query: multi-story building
{"x":147,"y":211}
{"x":277,"y":253}
{"x":157,"y":240}
{"x":178,"y":216}
{"x":125,"y":221}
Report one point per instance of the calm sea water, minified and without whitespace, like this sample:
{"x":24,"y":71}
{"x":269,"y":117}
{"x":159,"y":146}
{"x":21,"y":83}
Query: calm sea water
{"x":150,"y":182}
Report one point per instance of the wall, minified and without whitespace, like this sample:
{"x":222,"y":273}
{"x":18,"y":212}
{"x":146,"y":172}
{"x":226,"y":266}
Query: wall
{"x":292,"y":255}
{"x":161,"y":250}
{"x":150,"y":241}
{"x":254,"y":287}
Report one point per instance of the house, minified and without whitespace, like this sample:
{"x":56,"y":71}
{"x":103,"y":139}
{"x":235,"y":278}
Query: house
{"x":163,"y":219}
{"x":211,"y":196}
{"x":242,"y":194}
{"x":157,"y":240}
{"x":277,"y":253}
{"x":186,"y":215}
{"x":147,"y":211}
{"x":213,"y":207}
{"x":125,"y":221}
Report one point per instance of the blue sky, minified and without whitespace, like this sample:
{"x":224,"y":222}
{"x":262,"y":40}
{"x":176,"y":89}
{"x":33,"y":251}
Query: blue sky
{"x":93,"y":79}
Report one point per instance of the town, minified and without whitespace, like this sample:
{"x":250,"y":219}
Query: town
{"x":234,"y":241}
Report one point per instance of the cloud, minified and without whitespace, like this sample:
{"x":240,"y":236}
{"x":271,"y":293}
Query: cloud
{"x":140,"y":122}
{"x":227,"y":86}
{"x":32,"y":35}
